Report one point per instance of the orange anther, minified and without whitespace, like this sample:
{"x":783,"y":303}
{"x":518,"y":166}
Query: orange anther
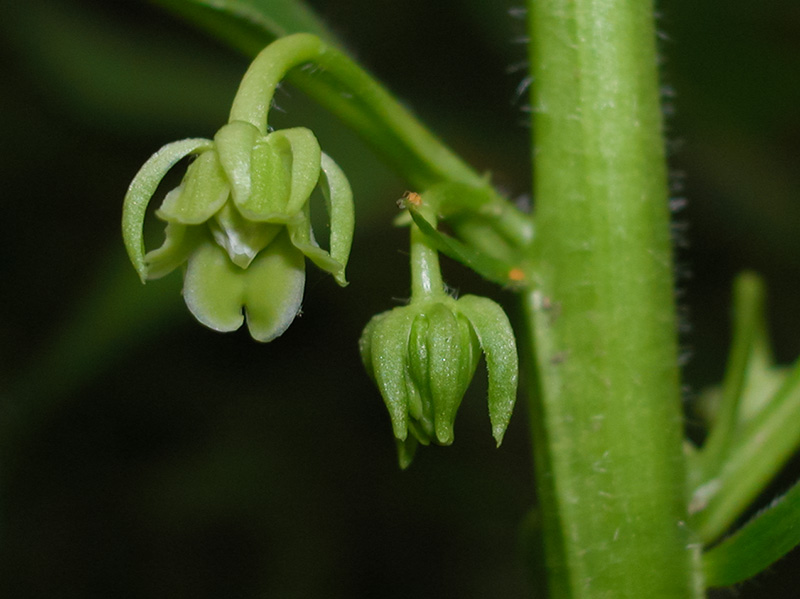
{"x":516,"y":274}
{"x":413,"y":198}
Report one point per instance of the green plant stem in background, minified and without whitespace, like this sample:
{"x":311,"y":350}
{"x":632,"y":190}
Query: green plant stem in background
{"x":748,"y":326}
{"x":606,"y":401}
{"x":757,"y":454}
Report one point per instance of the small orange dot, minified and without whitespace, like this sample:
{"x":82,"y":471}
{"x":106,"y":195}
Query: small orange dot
{"x":413,"y":198}
{"x":516,"y":274}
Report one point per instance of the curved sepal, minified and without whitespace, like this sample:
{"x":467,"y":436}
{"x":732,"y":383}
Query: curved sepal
{"x":302,"y":237}
{"x":141,"y":191}
{"x":339,"y":201}
{"x":500,"y":348}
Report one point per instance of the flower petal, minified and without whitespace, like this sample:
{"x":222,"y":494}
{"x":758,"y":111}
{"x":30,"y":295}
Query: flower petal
{"x":214,"y":288}
{"x":285,"y":171}
{"x":274,"y":290}
{"x":180,"y":242}
{"x":203,"y":191}
{"x":242,"y":239}
{"x":306,"y":157}
{"x":141,"y":190}
{"x":497,"y":341}
{"x":271,"y":183}
{"x":235,"y":142}
{"x":420,"y":405}
{"x":447,"y":384}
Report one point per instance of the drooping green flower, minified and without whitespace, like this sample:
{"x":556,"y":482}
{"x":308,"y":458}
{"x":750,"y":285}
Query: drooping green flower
{"x":240,"y":222}
{"x":423,"y":357}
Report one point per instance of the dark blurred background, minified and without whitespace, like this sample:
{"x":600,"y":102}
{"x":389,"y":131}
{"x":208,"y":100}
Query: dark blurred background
{"x":145,"y":456}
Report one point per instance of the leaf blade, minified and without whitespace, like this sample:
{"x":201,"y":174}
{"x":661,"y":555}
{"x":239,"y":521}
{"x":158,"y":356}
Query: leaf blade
{"x":758,"y":544}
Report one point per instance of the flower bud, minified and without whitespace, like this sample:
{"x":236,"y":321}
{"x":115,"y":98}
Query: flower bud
{"x":423,"y":357}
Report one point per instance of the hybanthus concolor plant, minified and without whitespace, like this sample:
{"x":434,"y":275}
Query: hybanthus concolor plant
{"x":595,"y":282}
{"x":239,"y":222}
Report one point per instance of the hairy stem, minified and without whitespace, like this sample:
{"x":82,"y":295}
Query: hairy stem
{"x":606,"y":401}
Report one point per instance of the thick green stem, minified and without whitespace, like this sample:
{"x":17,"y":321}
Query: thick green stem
{"x":606,"y":399}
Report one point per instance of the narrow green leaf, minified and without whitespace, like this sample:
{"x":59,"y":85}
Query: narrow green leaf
{"x":488,"y":267}
{"x":758,"y":544}
{"x":249,"y":25}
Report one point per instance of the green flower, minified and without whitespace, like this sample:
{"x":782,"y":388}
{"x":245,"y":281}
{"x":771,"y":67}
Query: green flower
{"x":423,"y":357}
{"x":240,"y":222}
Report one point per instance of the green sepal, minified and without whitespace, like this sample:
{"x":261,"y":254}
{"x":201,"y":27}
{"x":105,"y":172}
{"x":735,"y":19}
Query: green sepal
{"x":388,"y":357}
{"x":270,"y":290}
{"x":488,"y":267}
{"x":203,"y":191}
{"x":141,"y":191}
{"x":497,"y":340}
{"x":235,"y":142}
{"x":339,"y":202}
{"x":302,"y":237}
